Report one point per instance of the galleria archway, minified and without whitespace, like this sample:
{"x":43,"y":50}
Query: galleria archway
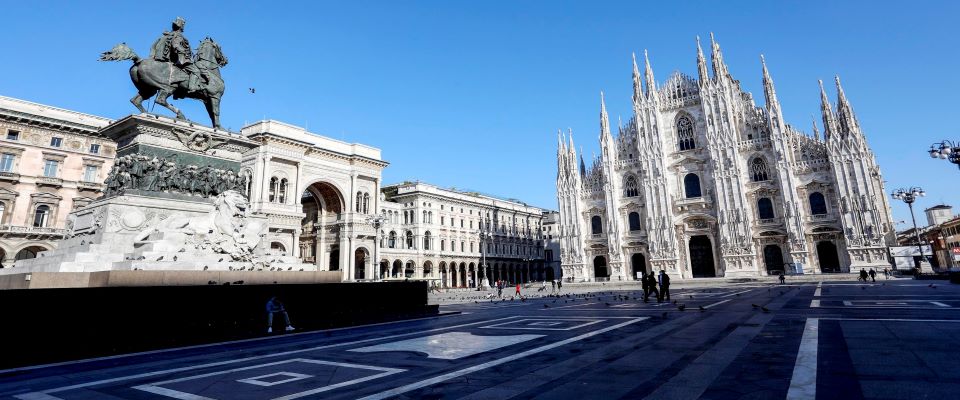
{"x":321,"y":227}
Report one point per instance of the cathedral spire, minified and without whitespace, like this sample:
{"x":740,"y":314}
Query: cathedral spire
{"x":637,"y":85}
{"x":583,"y":166}
{"x":769,"y":92}
{"x":827,"y":113}
{"x":816,"y":132}
{"x":701,"y":63}
{"x":648,"y":75}
{"x":561,"y":147}
{"x":716,"y":57}
{"x":604,"y":119}
{"x":847,"y":120}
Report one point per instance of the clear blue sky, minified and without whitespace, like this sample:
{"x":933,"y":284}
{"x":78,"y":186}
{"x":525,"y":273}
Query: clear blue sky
{"x":471,"y":94}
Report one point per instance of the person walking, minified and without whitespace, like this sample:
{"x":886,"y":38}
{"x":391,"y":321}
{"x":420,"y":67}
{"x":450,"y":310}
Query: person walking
{"x":886,"y":274}
{"x":643,"y":285}
{"x":274,"y":306}
{"x":518,"y":291}
{"x":863,"y":275}
{"x":783,"y":279}
{"x":559,"y":284}
{"x":664,"y":286}
{"x":873,"y":275}
{"x":553,"y":284}
{"x":499,"y":288}
{"x":652,"y":288}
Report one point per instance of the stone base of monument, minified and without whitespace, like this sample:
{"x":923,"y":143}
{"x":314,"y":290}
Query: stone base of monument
{"x":104,"y":238}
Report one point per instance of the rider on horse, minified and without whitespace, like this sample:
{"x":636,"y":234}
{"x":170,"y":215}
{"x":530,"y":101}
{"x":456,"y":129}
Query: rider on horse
{"x":173,"y":47}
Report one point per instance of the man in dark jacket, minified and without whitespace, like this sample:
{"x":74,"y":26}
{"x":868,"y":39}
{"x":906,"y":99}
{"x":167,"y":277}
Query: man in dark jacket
{"x":664,"y":286}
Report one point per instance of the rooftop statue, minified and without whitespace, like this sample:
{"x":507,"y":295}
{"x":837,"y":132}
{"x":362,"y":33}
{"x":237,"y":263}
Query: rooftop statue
{"x":172,"y":70}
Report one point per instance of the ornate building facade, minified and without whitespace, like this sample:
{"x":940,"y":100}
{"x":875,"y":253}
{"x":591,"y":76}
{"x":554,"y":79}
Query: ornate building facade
{"x":445,"y":234}
{"x":52,"y":161}
{"x":316,"y":193}
{"x":703,"y":182}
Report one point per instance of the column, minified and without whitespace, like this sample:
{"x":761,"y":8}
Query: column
{"x":298,"y":187}
{"x":344,"y":249}
{"x":296,"y":244}
{"x":265,"y":179}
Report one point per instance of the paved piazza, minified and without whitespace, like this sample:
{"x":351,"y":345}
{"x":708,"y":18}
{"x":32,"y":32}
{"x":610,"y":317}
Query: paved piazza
{"x":831,"y":339}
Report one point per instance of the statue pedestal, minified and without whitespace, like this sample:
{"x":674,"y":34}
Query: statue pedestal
{"x":172,"y":203}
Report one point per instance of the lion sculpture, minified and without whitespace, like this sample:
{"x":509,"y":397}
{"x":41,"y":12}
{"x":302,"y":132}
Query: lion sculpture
{"x":226,"y":229}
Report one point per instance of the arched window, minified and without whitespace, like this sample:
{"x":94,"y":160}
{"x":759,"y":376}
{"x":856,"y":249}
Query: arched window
{"x":630,"y":187}
{"x":685,"y":134}
{"x":272,"y":195}
{"x":366,"y":203}
{"x":426,"y":240}
{"x":393,"y":240}
{"x":765,"y":208}
{"x":758,"y":170}
{"x":41,"y":216}
{"x":634,"y":221}
{"x":359,"y":202}
{"x":409,"y":240}
{"x":818,"y":205}
{"x":425,"y":220}
{"x":282,"y":197}
{"x":596,"y":225}
{"x":691,"y":186}
{"x":443,"y":245}
{"x":3,"y":208}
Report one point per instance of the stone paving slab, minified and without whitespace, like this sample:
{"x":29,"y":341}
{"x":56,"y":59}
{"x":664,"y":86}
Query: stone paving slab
{"x":601,"y":344}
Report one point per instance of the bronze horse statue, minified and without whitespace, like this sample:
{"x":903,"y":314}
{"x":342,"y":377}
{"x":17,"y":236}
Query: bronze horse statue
{"x":164,"y":79}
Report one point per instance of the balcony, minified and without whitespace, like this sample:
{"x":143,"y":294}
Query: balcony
{"x":49,"y":181}
{"x":769,"y":221}
{"x":9,"y":176}
{"x":90,"y":186}
{"x":821,"y":217}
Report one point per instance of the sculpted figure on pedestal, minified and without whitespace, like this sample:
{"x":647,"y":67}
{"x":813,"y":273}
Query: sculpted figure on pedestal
{"x":225,"y":230}
{"x":171,"y":70}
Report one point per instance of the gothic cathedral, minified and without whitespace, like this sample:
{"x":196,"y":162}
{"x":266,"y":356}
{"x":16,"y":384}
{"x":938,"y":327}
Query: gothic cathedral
{"x":702,"y":182}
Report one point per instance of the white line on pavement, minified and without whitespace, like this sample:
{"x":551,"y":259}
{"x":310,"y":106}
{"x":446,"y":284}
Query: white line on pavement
{"x":27,"y":396}
{"x":815,"y":303}
{"x":803,"y":384}
{"x":479,"y":367}
{"x":939,"y":304}
{"x":200,"y":346}
{"x":819,"y":286}
{"x":736,"y":293}
{"x":717,"y":303}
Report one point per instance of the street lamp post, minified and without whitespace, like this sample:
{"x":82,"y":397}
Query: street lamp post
{"x":377,"y":221}
{"x":946,"y":150}
{"x":484,"y":235}
{"x":909,"y":196}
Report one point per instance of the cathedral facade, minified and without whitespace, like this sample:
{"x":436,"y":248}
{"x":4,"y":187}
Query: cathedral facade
{"x":702,"y":182}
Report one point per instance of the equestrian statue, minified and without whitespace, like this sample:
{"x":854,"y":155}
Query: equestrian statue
{"x":172,"y":70}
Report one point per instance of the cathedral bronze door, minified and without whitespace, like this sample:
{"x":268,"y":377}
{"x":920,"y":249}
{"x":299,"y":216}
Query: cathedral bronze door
{"x":600,"y":268}
{"x":827,"y":256}
{"x":639,"y":264}
{"x":773,"y":258}
{"x":701,"y":257}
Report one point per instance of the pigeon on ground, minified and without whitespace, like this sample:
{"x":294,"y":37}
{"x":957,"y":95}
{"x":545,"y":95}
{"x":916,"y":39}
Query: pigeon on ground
{"x":204,"y":268}
{"x":174,"y":258}
{"x":765,"y":309}
{"x":211,"y":282}
{"x":546,"y":306}
{"x":608,"y":304}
